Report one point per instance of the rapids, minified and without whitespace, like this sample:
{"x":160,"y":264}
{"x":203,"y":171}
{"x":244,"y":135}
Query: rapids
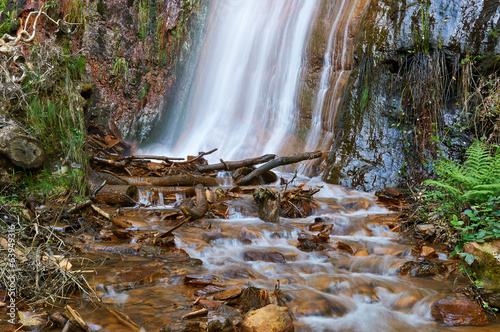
{"x":337,"y":289}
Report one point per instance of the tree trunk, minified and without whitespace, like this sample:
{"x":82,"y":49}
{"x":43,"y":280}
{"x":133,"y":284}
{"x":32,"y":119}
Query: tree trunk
{"x":232,"y":165}
{"x":22,"y":150}
{"x":279,"y":162}
{"x":172,"y":180}
{"x":117,"y":194}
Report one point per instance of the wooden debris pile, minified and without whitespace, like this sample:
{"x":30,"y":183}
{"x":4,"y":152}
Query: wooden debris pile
{"x":118,"y":177}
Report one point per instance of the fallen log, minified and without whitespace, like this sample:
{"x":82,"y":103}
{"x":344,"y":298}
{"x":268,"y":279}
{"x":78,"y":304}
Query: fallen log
{"x":232,"y":165}
{"x":117,"y":194}
{"x":201,"y":207}
{"x":172,"y":180}
{"x":22,"y":150}
{"x":279,"y":162}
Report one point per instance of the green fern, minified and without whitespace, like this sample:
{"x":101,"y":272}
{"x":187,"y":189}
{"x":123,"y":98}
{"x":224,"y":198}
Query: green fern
{"x":474,"y":181}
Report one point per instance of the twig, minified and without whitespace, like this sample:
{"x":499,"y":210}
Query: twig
{"x":120,"y":316}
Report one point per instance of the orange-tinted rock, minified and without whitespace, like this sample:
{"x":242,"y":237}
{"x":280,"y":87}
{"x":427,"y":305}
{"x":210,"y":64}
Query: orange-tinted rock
{"x":229,"y":294}
{"x":428,"y":252}
{"x":361,"y":253}
{"x":268,"y":318}
{"x":458,"y":310}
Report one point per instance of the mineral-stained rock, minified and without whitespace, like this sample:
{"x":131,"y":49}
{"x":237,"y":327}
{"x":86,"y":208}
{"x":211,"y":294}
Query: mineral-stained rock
{"x":458,"y":310}
{"x":271,"y":318}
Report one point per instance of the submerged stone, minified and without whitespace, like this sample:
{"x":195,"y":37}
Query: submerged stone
{"x":458,"y":310}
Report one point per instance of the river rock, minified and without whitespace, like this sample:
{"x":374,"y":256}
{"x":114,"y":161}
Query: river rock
{"x":268,"y":202}
{"x":220,"y":325}
{"x":458,"y":310}
{"x":271,"y":318}
{"x":266,"y":256}
{"x":422,"y":268}
{"x":229,"y":294}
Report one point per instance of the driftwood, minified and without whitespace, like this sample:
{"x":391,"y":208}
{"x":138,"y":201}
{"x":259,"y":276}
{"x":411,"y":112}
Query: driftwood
{"x":232,"y":165}
{"x":117,"y":194}
{"x":279,"y":162}
{"x":172,"y":180}
{"x":22,"y":150}
{"x":201,"y":207}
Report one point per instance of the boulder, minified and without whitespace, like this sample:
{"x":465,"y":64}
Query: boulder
{"x":270,"y":318}
{"x":457,"y":310}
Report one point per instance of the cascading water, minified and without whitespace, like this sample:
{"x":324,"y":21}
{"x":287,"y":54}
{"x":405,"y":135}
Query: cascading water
{"x":242,"y":97}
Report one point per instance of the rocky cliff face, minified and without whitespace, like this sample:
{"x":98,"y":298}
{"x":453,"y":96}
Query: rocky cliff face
{"x":414,"y":59}
{"x":134,"y":51}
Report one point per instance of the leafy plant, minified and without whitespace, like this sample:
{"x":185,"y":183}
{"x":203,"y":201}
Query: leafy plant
{"x":476,"y":180}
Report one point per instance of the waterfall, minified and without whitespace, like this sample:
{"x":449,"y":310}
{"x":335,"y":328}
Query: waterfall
{"x":336,"y":69}
{"x":242,"y":97}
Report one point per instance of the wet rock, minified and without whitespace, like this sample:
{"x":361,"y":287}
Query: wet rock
{"x":268,"y":202}
{"x":209,"y":304}
{"x":266,"y":256}
{"x":387,"y":251}
{"x":458,"y":310}
{"x":361,"y":253}
{"x":344,"y":247}
{"x":250,"y":299}
{"x":428,"y":252}
{"x":220,"y":325}
{"x":229,"y":294}
{"x":207,"y":290}
{"x":269,"y":318}
{"x":422,"y":268}
{"x":355,"y":204}
{"x":182,"y":327}
{"x":203,"y":280}
{"x":493,"y":298}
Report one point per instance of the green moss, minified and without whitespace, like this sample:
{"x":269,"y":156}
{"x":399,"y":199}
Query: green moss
{"x":488,"y":271}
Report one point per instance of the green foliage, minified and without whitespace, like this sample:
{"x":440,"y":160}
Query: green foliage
{"x":473,"y":182}
{"x":57,"y":120}
{"x":76,"y":12}
{"x":422,"y":35}
{"x":120,"y":69}
{"x":10,"y":18}
{"x":144,"y":11}
{"x":468,"y":195}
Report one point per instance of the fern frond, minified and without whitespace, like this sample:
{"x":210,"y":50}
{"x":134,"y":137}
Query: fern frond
{"x":478,"y":163}
{"x":450,"y":188}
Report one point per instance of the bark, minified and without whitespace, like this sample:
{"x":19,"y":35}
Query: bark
{"x":201,"y":207}
{"x":279,"y":162}
{"x":232,"y":165}
{"x":117,"y":195}
{"x":172,"y":180}
{"x":22,"y":150}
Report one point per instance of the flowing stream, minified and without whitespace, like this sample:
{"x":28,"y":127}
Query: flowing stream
{"x":351,"y":284}
{"x":243,"y":101}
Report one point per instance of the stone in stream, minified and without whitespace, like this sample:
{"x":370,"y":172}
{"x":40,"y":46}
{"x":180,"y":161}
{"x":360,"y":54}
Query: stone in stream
{"x":250,"y":299}
{"x":456,"y":310}
{"x":422,"y":268}
{"x":268,"y":202}
{"x":266,"y":256}
{"x":270,"y":318}
{"x":229,"y":294}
